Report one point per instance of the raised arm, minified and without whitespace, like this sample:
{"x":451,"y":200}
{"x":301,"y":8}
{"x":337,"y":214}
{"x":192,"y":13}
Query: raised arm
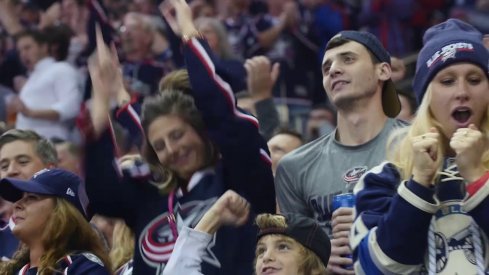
{"x":229,"y":210}
{"x":109,"y":193}
{"x":244,"y":152}
{"x":390,"y":232}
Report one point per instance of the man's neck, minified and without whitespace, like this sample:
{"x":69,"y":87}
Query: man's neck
{"x":357,"y":127}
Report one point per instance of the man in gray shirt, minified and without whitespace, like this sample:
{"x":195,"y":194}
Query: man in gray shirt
{"x":357,"y":79}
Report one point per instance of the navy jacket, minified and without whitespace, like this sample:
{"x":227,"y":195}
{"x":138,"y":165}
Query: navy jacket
{"x":244,"y":167}
{"x":76,"y":264}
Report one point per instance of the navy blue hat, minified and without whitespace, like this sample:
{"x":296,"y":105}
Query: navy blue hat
{"x":52,"y":182}
{"x":447,"y":43}
{"x":305,"y":231}
{"x":390,"y":101}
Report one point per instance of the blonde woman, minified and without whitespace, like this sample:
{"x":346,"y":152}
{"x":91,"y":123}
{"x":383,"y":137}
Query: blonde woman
{"x":50,"y":221}
{"x":424,"y":211}
{"x":286,"y":245}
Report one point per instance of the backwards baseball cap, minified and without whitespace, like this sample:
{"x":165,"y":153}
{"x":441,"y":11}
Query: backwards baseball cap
{"x":305,"y":231}
{"x":52,"y":182}
{"x":390,"y":100}
{"x":447,"y":43}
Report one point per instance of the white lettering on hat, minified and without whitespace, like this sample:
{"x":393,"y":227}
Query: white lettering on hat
{"x":449,"y":51}
{"x":70,"y":192}
{"x":40,"y":172}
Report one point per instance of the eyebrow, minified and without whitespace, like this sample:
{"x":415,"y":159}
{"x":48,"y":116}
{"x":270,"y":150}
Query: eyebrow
{"x":341,"y":54}
{"x":285,"y":240}
{"x":281,"y":238}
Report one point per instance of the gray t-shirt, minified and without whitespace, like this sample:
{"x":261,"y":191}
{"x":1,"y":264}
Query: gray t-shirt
{"x":309,"y":177}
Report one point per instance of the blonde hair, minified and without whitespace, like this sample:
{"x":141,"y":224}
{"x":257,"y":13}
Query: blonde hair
{"x":66,"y":232}
{"x":309,"y":263}
{"x":400,"y":146}
{"x":176,"y":80}
{"x":122,"y":245}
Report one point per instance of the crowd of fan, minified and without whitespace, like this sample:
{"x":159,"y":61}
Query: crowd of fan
{"x":67,"y":66}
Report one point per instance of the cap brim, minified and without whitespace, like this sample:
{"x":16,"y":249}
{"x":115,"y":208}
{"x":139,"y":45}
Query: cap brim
{"x":13,"y":189}
{"x":390,"y":99}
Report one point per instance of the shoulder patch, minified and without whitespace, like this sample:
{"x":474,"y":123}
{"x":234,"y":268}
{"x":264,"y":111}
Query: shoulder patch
{"x":92,"y":257}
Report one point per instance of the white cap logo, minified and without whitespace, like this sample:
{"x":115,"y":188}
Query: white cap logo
{"x":70,"y":192}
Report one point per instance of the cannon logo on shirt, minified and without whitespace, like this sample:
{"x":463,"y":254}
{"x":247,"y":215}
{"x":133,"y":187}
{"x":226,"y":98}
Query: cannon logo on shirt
{"x":455,"y":248}
{"x":156,"y":242}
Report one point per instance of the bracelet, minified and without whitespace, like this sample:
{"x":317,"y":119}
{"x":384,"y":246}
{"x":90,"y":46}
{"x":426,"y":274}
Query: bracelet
{"x":188,"y":36}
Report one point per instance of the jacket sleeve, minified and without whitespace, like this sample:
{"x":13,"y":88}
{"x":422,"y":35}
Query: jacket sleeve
{"x":389,"y":235}
{"x":86,"y":263}
{"x":477,"y":205}
{"x":187,"y":254}
{"x":128,"y":116}
{"x":244,"y":153}
{"x":268,"y":116}
{"x":110,"y":193}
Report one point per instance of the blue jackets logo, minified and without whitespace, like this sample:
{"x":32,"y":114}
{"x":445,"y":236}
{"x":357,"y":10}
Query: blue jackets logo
{"x":354,"y":174}
{"x":156,"y":242}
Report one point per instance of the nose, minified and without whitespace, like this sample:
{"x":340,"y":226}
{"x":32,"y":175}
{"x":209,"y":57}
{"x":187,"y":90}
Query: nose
{"x":335,"y":69}
{"x":19,"y":203}
{"x":268,"y":256}
{"x":172,"y":148}
{"x":462,"y":91}
{"x":12,"y":170}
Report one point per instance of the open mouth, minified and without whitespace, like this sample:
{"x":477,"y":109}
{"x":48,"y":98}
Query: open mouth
{"x":462,"y":115}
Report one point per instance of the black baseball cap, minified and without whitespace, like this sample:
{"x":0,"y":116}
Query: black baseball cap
{"x":305,"y":231}
{"x":51,"y":182}
{"x":390,"y":101}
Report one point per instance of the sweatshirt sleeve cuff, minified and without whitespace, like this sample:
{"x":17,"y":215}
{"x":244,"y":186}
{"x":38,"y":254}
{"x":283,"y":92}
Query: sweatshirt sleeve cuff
{"x":418,"y":196}
{"x":478,"y":191}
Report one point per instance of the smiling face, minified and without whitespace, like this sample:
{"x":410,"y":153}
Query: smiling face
{"x":278,"y":255}
{"x":177,"y":145}
{"x":30,"y":215}
{"x":18,"y":159}
{"x":459,"y":97}
{"x":349,"y":74}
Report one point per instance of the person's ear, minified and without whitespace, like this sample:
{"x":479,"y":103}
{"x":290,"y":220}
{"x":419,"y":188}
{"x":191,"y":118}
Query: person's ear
{"x":485,"y":41}
{"x":384,"y":71}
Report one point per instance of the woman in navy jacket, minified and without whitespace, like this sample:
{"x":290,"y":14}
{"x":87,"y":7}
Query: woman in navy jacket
{"x":200,"y":144}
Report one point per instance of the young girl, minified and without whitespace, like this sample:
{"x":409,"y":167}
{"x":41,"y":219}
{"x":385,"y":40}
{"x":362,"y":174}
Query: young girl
{"x":50,"y":221}
{"x":199,"y":145}
{"x":425,"y":209}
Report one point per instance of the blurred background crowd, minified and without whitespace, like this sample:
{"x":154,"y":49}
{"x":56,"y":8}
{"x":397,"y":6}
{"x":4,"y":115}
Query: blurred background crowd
{"x":292,"y":33}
